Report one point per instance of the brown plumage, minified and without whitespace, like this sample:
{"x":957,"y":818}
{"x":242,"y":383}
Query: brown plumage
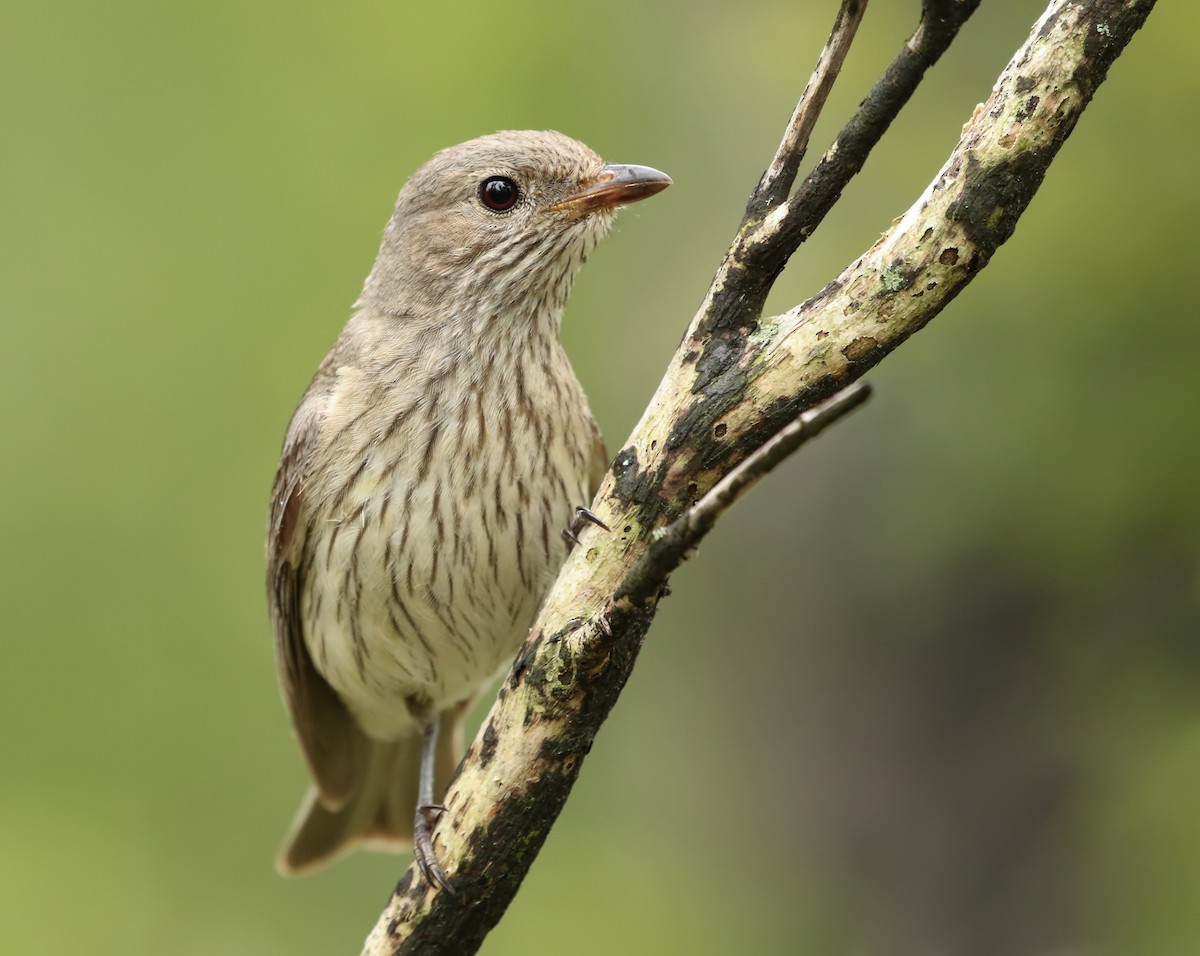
{"x":425,"y":477}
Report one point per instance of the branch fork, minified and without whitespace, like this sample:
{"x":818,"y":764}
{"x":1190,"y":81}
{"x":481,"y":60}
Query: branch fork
{"x":740,"y":395}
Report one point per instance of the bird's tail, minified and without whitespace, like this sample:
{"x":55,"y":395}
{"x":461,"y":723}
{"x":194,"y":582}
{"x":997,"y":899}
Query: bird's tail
{"x":380,"y":814}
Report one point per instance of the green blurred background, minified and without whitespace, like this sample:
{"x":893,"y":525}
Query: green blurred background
{"x":965,"y":718}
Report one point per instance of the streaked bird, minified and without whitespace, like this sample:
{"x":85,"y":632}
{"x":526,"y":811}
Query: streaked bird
{"x":425,"y":476}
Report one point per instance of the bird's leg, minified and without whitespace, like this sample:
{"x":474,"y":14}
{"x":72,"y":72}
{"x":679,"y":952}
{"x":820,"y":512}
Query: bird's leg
{"x":583,"y":517}
{"x":427,"y":810}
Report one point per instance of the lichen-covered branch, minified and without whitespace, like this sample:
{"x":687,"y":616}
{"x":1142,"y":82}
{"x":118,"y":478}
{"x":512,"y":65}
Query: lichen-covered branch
{"x":737,"y":381}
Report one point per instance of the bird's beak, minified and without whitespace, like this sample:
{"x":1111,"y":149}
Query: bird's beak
{"x":615,"y":185}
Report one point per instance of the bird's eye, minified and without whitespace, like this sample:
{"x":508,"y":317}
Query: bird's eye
{"x":499,"y":193}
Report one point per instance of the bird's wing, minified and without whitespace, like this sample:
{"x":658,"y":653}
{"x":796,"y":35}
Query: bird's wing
{"x":328,"y":734}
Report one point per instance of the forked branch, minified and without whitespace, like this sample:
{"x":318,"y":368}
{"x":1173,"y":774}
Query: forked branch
{"x":722,"y":416}
{"x":776,"y":182}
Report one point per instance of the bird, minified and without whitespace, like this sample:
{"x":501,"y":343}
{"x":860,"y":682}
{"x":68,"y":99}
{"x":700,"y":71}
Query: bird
{"x":442,"y":443}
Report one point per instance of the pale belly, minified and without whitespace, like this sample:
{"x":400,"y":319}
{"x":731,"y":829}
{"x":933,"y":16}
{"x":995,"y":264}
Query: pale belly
{"x":425,"y":582}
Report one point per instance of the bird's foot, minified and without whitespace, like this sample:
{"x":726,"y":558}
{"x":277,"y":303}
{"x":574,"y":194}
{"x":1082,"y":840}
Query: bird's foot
{"x":583,"y":517}
{"x":423,"y":851}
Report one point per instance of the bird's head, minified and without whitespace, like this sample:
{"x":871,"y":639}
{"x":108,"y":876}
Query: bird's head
{"x":500,"y":225}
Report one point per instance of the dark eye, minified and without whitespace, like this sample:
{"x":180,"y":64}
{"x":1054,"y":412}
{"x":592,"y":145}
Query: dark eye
{"x":499,"y":193}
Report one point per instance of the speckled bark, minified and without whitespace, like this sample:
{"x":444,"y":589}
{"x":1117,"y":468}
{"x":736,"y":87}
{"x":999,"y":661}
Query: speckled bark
{"x":735,"y":382}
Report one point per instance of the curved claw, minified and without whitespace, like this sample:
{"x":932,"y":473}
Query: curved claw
{"x":423,"y":852}
{"x":583,"y":516}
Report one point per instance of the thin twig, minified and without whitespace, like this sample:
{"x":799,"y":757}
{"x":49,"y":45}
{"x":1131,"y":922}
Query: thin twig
{"x":777,"y":181}
{"x":671,"y":544}
{"x":700,"y":518}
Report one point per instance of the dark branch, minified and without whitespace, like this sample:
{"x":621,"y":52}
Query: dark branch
{"x":762,"y":248}
{"x":776,"y":182}
{"x":940,"y":22}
